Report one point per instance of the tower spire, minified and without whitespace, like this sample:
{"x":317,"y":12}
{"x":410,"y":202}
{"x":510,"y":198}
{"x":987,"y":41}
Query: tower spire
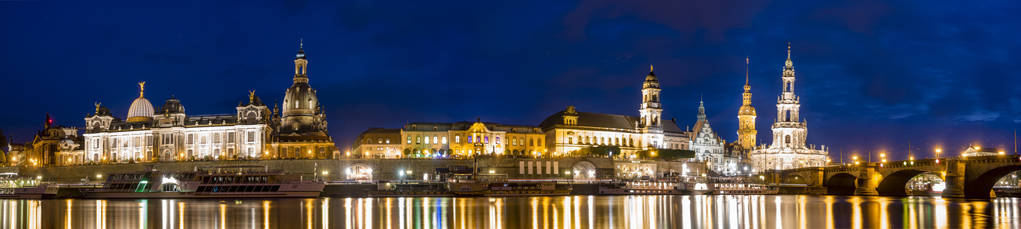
{"x":701,"y":109}
{"x":650,"y":68}
{"x":747,"y":66}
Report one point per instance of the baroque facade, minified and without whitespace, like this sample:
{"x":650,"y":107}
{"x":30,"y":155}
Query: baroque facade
{"x":788,"y":149}
{"x":252,"y":132}
{"x":571,"y":130}
{"x":559,"y":134}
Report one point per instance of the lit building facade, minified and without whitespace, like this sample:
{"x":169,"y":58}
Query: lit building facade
{"x":471,"y":138}
{"x":788,"y":149}
{"x":570,"y":130}
{"x":172,"y":135}
{"x":252,"y":132}
{"x":378,"y":143}
{"x":709,"y":147}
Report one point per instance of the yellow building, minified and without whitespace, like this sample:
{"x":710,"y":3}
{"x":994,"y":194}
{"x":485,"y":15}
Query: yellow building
{"x":377,"y":143}
{"x":470,"y":138}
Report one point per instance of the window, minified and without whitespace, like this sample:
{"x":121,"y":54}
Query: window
{"x":497,"y":140}
{"x":251,"y":136}
{"x":426,"y":140}
{"x":444,"y":140}
{"x":216,"y":138}
{"x":570,"y":140}
{"x":191,"y":139}
{"x":514,"y":141}
{"x":457,"y":139}
{"x":230,"y":137}
{"x":409,"y":139}
{"x":418,"y":140}
{"x":531,"y":142}
{"x":435,"y":141}
{"x":202,"y":140}
{"x":379,"y":140}
{"x":539,"y":142}
{"x":387,"y":140}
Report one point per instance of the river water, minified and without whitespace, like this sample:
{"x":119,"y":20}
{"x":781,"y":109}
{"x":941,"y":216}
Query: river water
{"x":716,"y":211}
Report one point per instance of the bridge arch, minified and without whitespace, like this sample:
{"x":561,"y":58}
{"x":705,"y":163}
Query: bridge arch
{"x":583,"y":170}
{"x":841,"y":184}
{"x":894,"y":183}
{"x":982,"y":185}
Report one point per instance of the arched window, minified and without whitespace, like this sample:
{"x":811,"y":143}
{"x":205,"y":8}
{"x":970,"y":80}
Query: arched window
{"x":787,"y":140}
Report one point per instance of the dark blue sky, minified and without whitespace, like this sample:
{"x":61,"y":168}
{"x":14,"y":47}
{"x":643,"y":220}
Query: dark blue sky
{"x":872,"y":75}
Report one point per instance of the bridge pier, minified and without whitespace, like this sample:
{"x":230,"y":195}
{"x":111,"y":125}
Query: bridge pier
{"x":954,"y":179}
{"x":865,"y":184}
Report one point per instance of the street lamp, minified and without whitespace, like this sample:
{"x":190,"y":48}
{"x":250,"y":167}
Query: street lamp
{"x":938,"y":151}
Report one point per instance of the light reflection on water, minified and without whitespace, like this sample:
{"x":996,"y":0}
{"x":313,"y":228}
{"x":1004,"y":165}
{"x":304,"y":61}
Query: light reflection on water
{"x":519,"y":212}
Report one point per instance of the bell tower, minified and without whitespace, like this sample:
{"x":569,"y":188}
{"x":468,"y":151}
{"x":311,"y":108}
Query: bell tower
{"x":651,"y":109}
{"x":746,"y":114}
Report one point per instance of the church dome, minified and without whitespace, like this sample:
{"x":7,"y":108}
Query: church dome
{"x":300,"y":99}
{"x":141,"y":109}
{"x":172,"y":106}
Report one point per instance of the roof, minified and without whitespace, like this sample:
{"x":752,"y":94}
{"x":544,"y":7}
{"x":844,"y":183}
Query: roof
{"x":465,"y":125}
{"x":600,"y":120}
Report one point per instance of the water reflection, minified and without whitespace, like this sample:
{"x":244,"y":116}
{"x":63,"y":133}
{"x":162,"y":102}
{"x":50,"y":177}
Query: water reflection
{"x":519,"y":212}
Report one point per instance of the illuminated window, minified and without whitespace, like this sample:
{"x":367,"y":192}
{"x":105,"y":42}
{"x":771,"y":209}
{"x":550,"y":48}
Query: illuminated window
{"x":251,"y":136}
{"x":387,"y":140}
{"x":497,"y":140}
{"x":418,"y":140}
{"x":409,"y":139}
{"x":444,"y":139}
{"x":230,"y":137}
{"x":457,"y":139}
{"x":514,"y":141}
{"x":427,"y":140}
{"x":435,"y":141}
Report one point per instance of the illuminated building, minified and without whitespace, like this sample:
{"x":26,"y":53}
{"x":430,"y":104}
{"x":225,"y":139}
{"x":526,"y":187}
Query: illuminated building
{"x":789,"y":149}
{"x":746,"y":116}
{"x":54,"y":145}
{"x":172,"y":135}
{"x":708,"y":146}
{"x":302,"y":130}
{"x":570,"y":130}
{"x":252,"y":132}
{"x":379,"y":143}
{"x":471,"y":138}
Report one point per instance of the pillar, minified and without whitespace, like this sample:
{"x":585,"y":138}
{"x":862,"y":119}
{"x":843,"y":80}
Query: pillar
{"x":865,"y":184}
{"x":954,"y":179}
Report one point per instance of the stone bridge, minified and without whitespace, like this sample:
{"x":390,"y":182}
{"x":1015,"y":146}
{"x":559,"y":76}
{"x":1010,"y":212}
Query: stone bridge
{"x":967,"y":177}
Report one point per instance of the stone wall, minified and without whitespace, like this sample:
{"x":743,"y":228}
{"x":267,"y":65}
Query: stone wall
{"x":383,"y":169}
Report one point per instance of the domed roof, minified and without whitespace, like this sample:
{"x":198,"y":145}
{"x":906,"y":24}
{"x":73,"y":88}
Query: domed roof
{"x":650,"y":80}
{"x":172,"y":106}
{"x":141,"y":109}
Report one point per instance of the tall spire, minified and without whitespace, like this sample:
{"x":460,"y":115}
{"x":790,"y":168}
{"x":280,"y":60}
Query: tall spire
{"x":789,"y":63}
{"x":747,"y":66}
{"x":701,"y":109}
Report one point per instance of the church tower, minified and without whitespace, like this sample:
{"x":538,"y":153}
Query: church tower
{"x":746,"y":114}
{"x":301,"y":105}
{"x":651,"y":109}
{"x":789,"y":131}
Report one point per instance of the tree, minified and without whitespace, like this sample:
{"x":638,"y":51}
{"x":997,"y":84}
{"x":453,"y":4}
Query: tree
{"x":667,"y":154}
{"x":598,"y":151}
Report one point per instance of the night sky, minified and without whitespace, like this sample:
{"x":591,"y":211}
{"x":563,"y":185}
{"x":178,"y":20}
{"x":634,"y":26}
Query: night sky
{"x":872,"y":75}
